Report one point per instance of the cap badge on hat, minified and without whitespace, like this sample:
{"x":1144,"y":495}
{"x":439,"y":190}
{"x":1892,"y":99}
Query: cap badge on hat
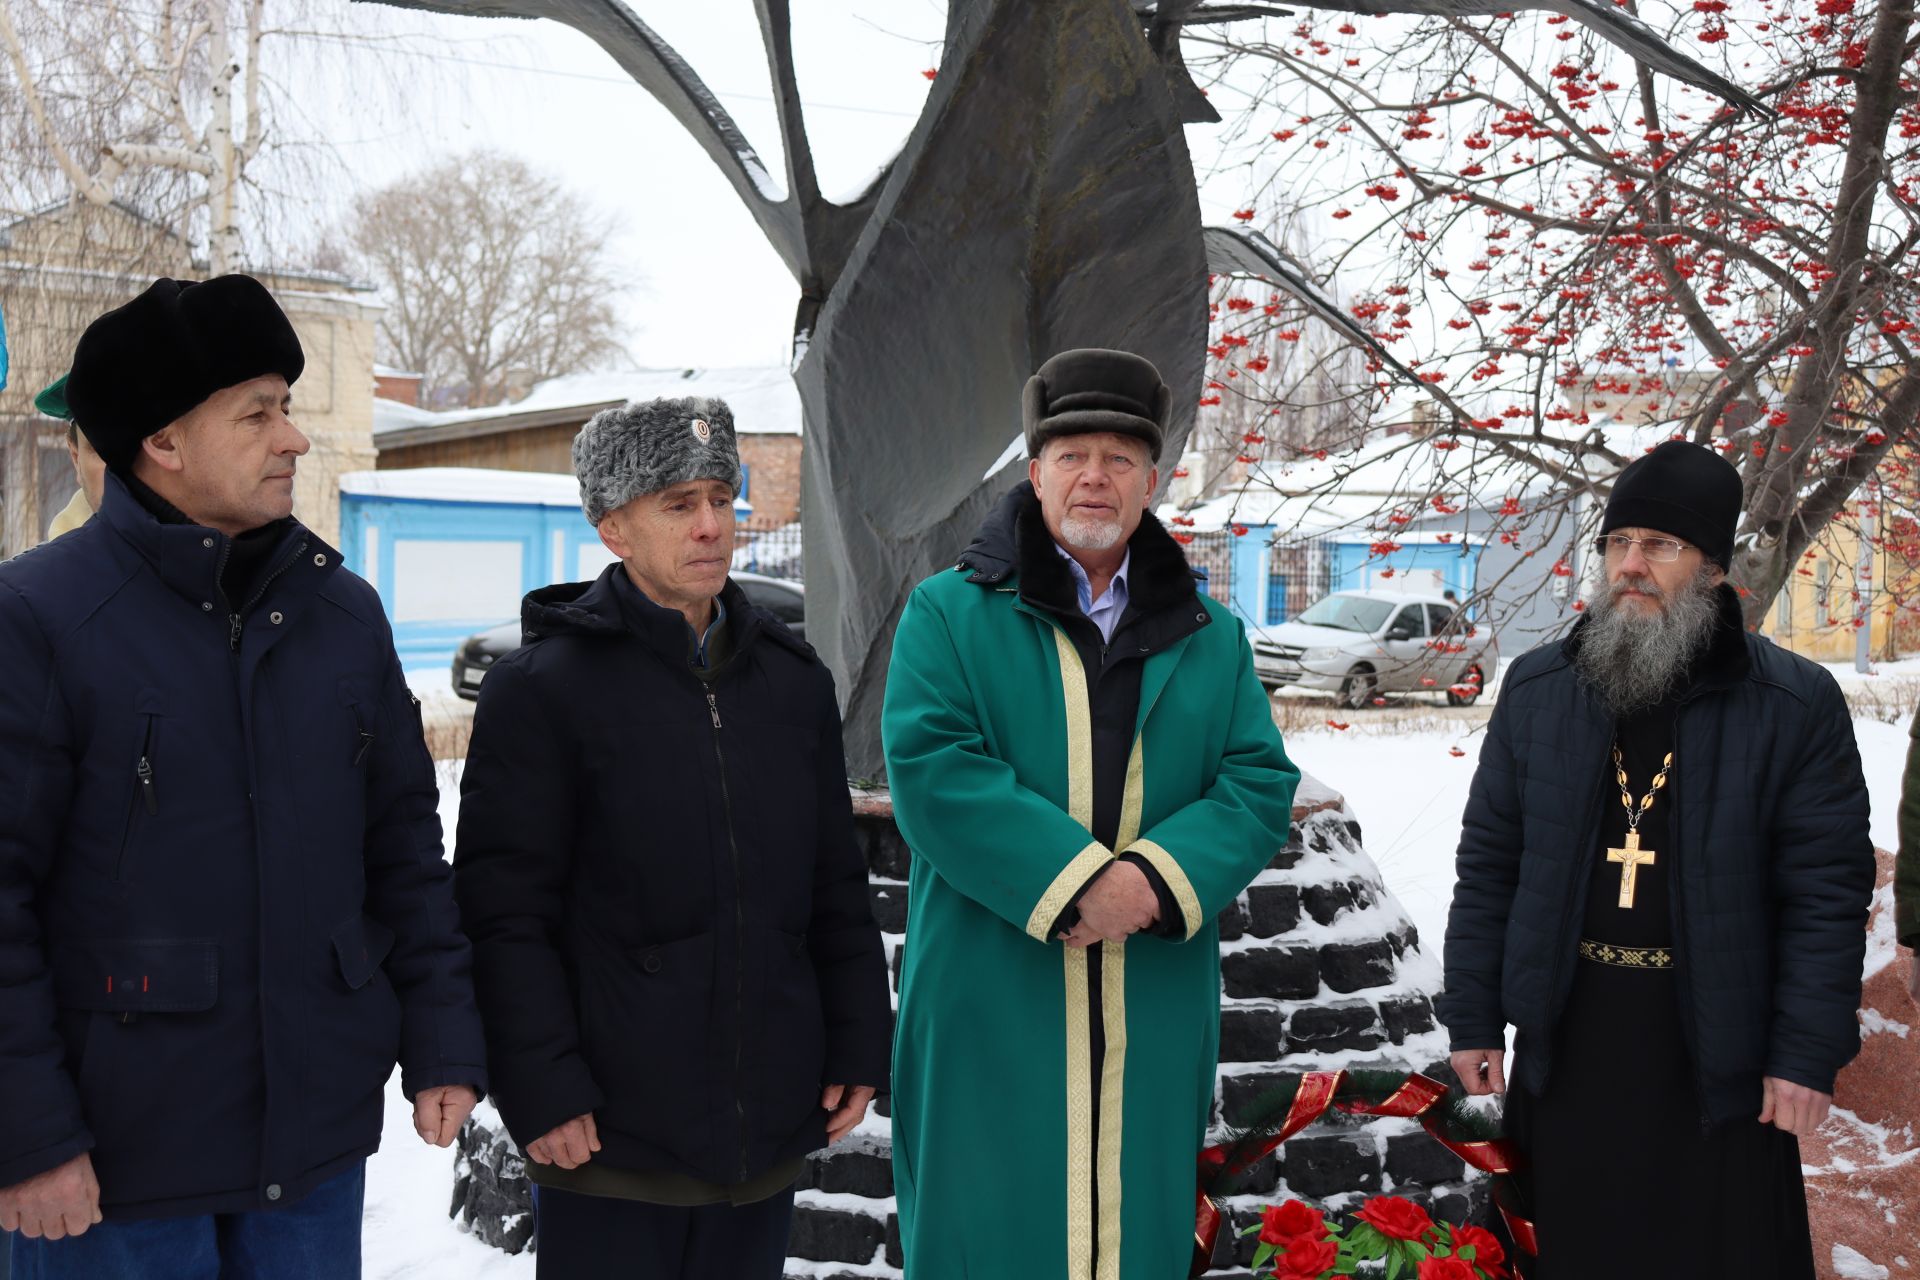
{"x":701,"y":430}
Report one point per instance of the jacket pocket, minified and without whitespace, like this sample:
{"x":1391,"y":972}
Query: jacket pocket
{"x":126,"y":976}
{"x":647,"y":1032}
{"x":791,"y":1033}
{"x":361,"y":945}
{"x":362,"y":717}
{"x":143,"y":800}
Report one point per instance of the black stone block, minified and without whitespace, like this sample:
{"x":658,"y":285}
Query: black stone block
{"x":1325,"y":1166}
{"x":896,"y":1252}
{"x":1327,"y":1028}
{"x":1291,"y":852}
{"x":1233,"y":921}
{"x":834,"y":1235}
{"x":1272,"y":909}
{"x":1240,"y":1095}
{"x":1406,"y":1016}
{"x":859,"y":1173}
{"x":1280,"y":973}
{"x":1325,"y":901}
{"x":1262,"y":1177}
{"x":1453,"y":1206}
{"x":899,"y":948}
{"x":887,"y":854}
{"x":1414,"y":1159}
{"x":889,"y":899}
{"x":1251,"y":1035}
{"x":1354,"y":966}
{"x":1353,"y":833}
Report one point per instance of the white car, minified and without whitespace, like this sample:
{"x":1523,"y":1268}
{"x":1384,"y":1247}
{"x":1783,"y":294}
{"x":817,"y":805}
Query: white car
{"x":1360,"y":645}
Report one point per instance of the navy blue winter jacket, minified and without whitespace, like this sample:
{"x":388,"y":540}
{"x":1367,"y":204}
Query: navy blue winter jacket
{"x":224,"y":911}
{"x":668,"y":908}
{"x":1773,"y":868}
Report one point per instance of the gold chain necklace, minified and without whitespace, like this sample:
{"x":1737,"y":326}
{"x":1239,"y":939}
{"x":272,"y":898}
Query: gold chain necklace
{"x":1632,"y":857}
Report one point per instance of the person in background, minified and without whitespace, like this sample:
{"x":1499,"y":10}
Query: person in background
{"x":89,"y":469}
{"x":1906,"y":866}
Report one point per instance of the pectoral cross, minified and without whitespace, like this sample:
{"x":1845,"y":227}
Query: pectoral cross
{"x":1630,"y":860}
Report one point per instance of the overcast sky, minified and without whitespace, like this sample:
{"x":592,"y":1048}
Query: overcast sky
{"x":713,"y":292}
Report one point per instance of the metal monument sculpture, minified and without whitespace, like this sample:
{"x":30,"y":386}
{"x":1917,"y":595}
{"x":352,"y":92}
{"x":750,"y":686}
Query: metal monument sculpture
{"x":1044,"y":200}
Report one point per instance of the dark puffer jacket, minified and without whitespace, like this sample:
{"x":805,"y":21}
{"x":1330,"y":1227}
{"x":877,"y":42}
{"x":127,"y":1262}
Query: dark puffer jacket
{"x":1768,"y":834}
{"x":669,"y":913}
{"x":224,"y":912}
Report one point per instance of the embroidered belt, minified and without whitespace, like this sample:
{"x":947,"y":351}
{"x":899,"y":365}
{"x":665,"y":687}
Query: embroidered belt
{"x":1626,"y":957}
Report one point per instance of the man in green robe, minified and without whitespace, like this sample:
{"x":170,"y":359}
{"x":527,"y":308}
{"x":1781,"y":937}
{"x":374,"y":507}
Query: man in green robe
{"x":1087,"y":772}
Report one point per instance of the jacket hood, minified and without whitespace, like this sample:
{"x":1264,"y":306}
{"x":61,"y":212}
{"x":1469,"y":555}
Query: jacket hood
{"x":611,"y":606}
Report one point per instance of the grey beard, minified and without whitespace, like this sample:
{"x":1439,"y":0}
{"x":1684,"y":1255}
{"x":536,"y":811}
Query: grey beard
{"x":1089,"y":535}
{"x":1633,"y":661}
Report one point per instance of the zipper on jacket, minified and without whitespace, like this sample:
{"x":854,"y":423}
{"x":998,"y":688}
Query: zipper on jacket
{"x":143,"y":774}
{"x":238,"y":617}
{"x":739,"y":931}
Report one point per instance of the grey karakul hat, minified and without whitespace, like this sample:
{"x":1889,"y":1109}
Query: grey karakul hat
{"x":645,"y":446}
{"x":1091,"y":389}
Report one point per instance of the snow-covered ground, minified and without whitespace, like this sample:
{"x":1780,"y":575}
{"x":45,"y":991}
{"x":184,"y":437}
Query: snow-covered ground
{"x":1405,"y":785}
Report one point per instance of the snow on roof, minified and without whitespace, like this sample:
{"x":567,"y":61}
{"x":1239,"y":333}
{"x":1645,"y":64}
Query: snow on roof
{"x":388,"y":415}
{"x":1351,"y":492}
{"x":764,"y":400}
{"x":394,"y":371}
{"x":466,"y":484}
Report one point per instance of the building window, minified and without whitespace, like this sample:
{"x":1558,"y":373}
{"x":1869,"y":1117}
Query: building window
{"x":1276,"y":599}
{"x":1822,"y":583}
{"x":1783,"y":611}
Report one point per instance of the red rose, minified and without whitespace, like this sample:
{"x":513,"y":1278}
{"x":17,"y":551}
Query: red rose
{"x":1445,"y":1269}
{"x":1395,"y":1218}
{"x":1307,"y":1259}
{"x":1279,"y":1223}
{"x":1487,"y":1253}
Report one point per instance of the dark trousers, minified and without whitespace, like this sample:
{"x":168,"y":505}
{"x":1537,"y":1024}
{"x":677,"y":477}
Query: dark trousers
{"x":600,"y":1238}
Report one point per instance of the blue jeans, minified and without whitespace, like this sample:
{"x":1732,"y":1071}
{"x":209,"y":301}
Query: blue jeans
{"x":315,"y":1238}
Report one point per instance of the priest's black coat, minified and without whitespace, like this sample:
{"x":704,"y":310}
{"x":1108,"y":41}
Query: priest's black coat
{"x":1773,"y":868}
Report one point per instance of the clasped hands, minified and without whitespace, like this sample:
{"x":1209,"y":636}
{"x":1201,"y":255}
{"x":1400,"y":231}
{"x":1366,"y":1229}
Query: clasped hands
{"x":1789,"y":1107}
{"x":1120,"y":902}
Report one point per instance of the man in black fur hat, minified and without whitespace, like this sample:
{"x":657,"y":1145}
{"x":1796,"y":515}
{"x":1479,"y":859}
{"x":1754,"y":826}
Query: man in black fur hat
{"x":224,"y":912}
{"x":1663,"y":885}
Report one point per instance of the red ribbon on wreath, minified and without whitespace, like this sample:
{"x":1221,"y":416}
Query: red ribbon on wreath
{"x":1415,"y":1099}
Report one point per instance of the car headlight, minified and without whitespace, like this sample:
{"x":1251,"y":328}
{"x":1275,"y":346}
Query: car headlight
{"x":1327,"y":654}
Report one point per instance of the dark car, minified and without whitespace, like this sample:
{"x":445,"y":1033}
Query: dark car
{"x":780,"y":597}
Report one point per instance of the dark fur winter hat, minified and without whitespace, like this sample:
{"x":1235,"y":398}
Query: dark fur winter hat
{"x":141,"y":366}
{"x":646,"y":446}
{"x":1683,"y":489}
{"x":1091,"y":389}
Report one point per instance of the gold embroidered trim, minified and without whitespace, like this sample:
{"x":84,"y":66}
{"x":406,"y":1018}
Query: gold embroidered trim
{"x":1079,"y":1117}
{"x":1176,"y":879}
{"x":1064,"y":886}
{"x":1073,"y":687}
{"x":1626,"y":957}
{"x":1113,"y":1009}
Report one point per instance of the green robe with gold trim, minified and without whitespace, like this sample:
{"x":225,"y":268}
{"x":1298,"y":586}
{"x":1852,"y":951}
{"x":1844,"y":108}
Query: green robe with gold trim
{"x":1048,"y":1105}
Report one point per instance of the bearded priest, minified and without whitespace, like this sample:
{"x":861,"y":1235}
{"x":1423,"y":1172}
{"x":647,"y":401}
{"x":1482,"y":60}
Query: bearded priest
{"x":1663,"y":882}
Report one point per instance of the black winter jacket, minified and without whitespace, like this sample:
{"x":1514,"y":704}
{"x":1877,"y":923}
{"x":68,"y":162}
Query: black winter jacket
{"x":669,"y":913}
{"x":1773,"y":868}
{"x":224,"y":912}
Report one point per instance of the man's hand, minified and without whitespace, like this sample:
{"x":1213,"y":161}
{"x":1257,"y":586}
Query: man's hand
{"x":1119,"y":902}
{"x":64,"y":1201}
{"x":439,"y":1112}
{"x":848,"y":1108}
{"x":1791,"y":1107}
{"x":1481,"y":1071}
{"x":570,"y":1145}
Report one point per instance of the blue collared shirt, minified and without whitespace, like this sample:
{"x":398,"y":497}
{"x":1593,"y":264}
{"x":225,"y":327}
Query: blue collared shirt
{"x":700,"y":642}
{"x":1104,"y":614}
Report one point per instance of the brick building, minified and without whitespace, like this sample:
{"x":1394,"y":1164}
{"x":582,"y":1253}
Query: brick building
{"x":536,"y":432}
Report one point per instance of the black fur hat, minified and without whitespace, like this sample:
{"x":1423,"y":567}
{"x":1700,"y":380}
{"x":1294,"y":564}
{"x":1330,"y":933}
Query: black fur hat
{"x":141,"y":366}
{"x":1683,"y":489}
{"x":1091,"y":389}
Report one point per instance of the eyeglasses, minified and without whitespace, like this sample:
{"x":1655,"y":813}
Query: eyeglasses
{"x":1614,"y":546}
